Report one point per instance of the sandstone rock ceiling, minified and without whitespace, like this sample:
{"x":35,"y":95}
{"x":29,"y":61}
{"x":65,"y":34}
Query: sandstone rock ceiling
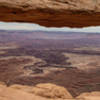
{"x":52,"y":13}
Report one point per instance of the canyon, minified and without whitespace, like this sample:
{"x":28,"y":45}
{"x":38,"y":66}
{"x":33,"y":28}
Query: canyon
{"x":49,"y":65}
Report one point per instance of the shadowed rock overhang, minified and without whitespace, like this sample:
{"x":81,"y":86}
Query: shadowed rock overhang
{"x":52,"y":13}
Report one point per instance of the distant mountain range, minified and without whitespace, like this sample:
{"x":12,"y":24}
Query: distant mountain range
{"x":47,"y":39}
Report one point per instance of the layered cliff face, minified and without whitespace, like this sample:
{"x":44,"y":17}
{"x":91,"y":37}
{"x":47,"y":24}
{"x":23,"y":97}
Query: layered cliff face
{"x":52,"y":13}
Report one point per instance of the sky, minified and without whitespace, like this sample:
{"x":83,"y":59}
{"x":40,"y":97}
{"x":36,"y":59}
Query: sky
{"x":34,"y":27}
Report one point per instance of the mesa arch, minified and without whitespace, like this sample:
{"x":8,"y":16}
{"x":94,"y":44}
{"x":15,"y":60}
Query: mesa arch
{"x":52,"y":13}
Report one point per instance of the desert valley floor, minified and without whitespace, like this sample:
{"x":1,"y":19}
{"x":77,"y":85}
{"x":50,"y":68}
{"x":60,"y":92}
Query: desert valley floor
{"x":71,"y":60}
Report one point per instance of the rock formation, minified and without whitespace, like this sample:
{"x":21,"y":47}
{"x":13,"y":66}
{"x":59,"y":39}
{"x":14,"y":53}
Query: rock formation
{"x":7,"y":93}
{"x":40,"y":92}
{"x":89,"y":96}
{"x":52,"y":13}
{"x":51,"y":91}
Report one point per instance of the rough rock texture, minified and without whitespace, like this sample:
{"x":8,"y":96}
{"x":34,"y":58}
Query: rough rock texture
{"x":42,"y":92}
{"x":89,"y":96}
{"x":51,"y":91}
{"x":52,"y":13}
{"x":19,"y":92}
{"x":7,"y":93}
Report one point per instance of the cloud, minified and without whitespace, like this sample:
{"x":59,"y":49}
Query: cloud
{"x":28,"y":26}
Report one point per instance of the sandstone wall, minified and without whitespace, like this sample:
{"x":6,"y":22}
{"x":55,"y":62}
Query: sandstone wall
{"x":52,"y":13}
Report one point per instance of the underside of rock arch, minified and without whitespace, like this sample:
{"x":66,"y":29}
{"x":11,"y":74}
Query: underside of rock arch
{"x":52,"y":13}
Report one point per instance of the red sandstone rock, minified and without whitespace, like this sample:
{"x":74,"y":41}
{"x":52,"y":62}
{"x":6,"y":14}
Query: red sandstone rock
{"x":52,"y":13}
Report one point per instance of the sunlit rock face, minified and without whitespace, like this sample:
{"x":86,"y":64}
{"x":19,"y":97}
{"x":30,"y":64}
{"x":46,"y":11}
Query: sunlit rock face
{"x":39,"y":92}
{"x":52,"y":13}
